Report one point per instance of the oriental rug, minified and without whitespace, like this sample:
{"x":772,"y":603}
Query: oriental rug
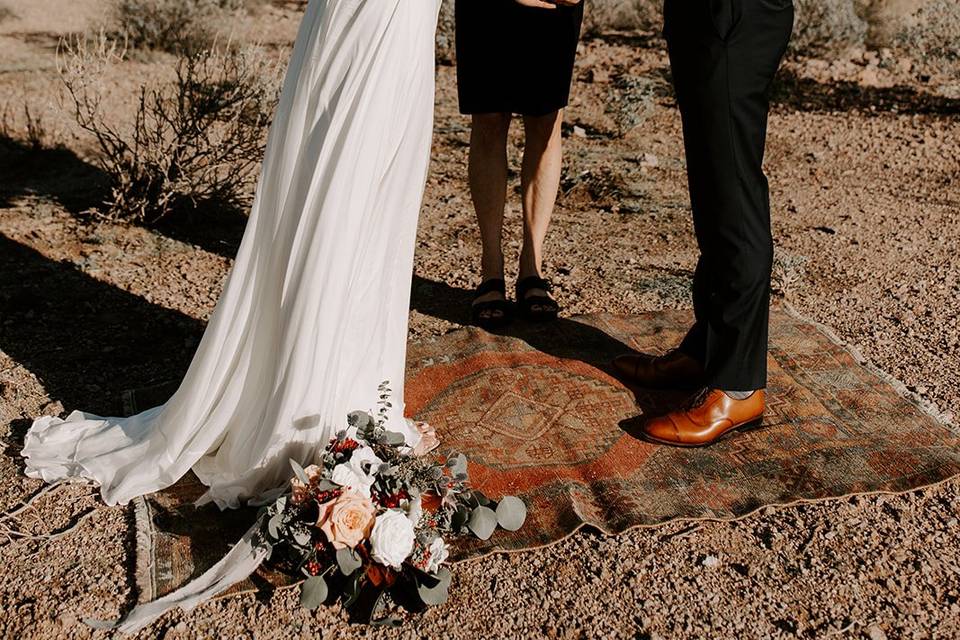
{"x":539,"y":414}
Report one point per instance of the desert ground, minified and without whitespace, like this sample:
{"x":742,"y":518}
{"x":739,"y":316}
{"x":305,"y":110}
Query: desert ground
{"x":864,"y":166}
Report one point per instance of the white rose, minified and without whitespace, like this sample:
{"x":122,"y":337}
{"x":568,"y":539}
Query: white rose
{"x":438,"y":555}
{"x":391,"y":540}
{"x":352,"y":473}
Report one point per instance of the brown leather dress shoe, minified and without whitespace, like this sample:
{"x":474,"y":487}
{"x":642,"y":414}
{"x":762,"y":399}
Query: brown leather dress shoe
{"x":711,"y":416}
{"x":675,"y":370}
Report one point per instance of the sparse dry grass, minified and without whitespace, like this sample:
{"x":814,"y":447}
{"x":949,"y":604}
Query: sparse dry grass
{"x":174,"y":26}
{"x":33,"y":133}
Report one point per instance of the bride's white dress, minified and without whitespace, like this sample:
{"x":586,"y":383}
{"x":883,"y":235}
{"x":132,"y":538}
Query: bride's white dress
{"x":313,"y":315}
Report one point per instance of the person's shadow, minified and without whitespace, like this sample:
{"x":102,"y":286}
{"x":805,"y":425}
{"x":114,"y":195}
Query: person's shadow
{"x":85,"y":340}
{"x":565,"y":338}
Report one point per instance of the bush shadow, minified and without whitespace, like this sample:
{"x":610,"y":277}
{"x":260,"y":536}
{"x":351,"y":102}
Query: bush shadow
{"x":53,"y":172}
{"x":810,"y":95}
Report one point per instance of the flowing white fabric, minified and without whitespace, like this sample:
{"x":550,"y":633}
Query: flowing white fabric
{"x":313,"y":315}
{"x":239,"y":563}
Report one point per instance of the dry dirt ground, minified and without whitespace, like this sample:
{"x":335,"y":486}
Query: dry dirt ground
{"x":864,"y":165}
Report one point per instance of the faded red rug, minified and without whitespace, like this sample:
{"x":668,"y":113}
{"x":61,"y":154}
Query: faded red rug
{"x":539,"y":415}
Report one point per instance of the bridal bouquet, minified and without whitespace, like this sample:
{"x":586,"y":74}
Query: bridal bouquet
{"x":373,"y":516}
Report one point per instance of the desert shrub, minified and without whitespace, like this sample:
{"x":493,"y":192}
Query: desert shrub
{"x":174,"y":26}
{"x":631,"y":100}
{"x":788,"y":273}
{"x":618,"y":15}
{"x":926,"y":29}
{"x":195,"y":141}
{"x":446,"y":34}
{"x":932,"y":31}
{"x":821,"y":26}
{"x":826,"y":27}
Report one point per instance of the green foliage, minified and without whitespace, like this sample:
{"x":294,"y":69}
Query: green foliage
{"x":483,"y":522}
{"x":314,"y":592}
{"x":511,"y":513}
{"x":348,"y":561}
{"x":434,"y":590}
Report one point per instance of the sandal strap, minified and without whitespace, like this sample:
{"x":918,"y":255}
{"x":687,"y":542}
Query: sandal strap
{"x":491,"y":305}
{"x":532,"y":282}
{"x":477,"y":310}
{"x":492,"y":285}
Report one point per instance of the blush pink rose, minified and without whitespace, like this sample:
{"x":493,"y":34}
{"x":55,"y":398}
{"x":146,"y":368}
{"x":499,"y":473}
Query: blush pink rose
{"x":347,"y":519}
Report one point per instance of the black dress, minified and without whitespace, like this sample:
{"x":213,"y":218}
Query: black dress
{"x":515,"y":59}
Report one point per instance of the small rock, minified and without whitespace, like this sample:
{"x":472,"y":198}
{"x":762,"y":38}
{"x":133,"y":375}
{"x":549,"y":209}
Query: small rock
{"x":875,"y":632}
{"x":579,"y":132}
{"x":711,"y":561}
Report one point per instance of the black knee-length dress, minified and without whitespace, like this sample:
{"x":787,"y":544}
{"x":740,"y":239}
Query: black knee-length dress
{"x":515,"y":59}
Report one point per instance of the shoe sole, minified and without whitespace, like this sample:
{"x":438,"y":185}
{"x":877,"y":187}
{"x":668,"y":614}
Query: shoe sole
{"x":753,"y":425}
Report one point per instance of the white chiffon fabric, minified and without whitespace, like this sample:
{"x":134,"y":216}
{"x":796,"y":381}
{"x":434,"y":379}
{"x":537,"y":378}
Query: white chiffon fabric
{"x":313,"y":314}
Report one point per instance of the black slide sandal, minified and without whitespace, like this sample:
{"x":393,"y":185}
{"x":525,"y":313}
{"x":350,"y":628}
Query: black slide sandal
{"x":548,"y":306}
{"x":492,"y":320}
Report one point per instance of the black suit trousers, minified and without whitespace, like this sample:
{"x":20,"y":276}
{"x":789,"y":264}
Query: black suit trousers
{"x":723,"y":56}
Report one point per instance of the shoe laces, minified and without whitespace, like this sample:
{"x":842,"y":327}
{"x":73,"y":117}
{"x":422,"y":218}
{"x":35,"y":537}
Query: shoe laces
{"x":697,"y":399}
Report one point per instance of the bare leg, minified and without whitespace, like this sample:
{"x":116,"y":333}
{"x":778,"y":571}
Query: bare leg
{"x":540,"y":180}
{"x":488,"y":188}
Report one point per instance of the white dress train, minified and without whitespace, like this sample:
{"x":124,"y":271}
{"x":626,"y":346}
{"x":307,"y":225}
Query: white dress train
{"x":313,"y":315}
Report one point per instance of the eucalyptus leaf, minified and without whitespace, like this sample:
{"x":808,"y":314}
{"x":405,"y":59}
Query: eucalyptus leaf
{"x":359,"y":419}
{"x":313,"y":592}
{"x":348,"y":561}
{"x":511,"y":513}
{"x":483,"y":522}
{"x":434,"y":590}
{"x":352,"y":590}
{"x":458,"y":465}
{"x":392,"y":438}
{"x":302,"y":537}
{"x":459,"y":518}
{"x":367,"y":432}
{"x":326,"y":485}
{"x":299,"y":472}
{"x":273,"y":526}
{"x":281,"y":504}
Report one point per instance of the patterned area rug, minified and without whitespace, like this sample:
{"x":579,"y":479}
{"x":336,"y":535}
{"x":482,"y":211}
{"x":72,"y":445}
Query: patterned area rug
{"x":539,"y":415}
